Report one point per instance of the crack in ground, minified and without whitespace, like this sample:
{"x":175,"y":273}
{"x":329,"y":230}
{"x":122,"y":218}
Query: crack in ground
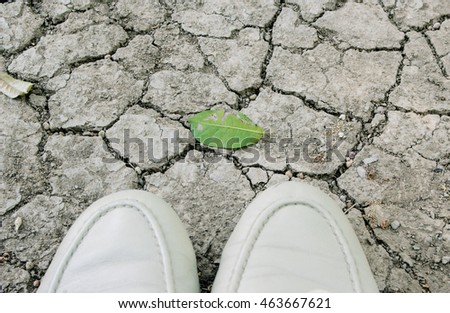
{"x":314,"y":104}
{"x":331,"y":179}
{"x":396,"y":259}
{"x":215,"y":71}
{"x":435,"y":55}
{"x":269,"y":31}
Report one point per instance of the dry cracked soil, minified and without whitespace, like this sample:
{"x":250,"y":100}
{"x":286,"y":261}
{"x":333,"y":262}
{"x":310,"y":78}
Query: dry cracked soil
{"x":355,"y":96}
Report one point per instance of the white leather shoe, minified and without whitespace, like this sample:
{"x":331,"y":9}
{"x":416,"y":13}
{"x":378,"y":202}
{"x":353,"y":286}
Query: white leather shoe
{"x":130,"y":241}
{"x":293,"y":238}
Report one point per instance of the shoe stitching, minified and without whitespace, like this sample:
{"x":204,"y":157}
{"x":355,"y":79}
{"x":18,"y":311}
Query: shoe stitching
{"x":87,"y":230}
{"x":264,"y":223}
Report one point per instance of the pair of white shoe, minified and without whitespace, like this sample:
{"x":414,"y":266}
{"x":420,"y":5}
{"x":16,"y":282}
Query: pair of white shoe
{"x":291,"y":238}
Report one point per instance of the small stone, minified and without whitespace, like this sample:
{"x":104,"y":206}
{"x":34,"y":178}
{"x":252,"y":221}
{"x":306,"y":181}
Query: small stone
{"x":289,"y":174}
{"x":343,"y":198}
{"x":361,"y":172}
{"x":253,"y":97}
{"x":46,"y":125}
{"x":432,"y":215}
{"x":349,"y":163}
{"x":101,"y":134}
{"x":36,"y":283}
{"x":436,"y":26}
{"x":301,"y":175}
{"x":29,"y":265}
{"x":18,"y":223}
{"x":370,"y":160}
{"x":446,"y":259}
{"x":395,"y":225}
{"x":341,"y":135}
{"x":138,"y":170}
{"x":342,"y":117}
{"x":6,"y":257}
{"x":416,"y":247}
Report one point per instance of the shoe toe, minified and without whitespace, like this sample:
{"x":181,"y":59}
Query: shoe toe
{"x":293,"y":238}
{"x":127,"y":242}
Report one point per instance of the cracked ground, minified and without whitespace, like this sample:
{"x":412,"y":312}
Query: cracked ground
{"x":363,"y":85}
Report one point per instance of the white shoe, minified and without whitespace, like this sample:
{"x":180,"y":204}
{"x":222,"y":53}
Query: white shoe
{"x":130,"y":241}
{"x":293,"y":238}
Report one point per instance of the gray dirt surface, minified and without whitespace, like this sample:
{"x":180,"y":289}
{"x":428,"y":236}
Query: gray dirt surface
{"x":354,"y":97}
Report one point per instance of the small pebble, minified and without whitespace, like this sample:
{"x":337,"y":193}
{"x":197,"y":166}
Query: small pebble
{"x":342,"y":117}
{"x":138,"y":170}
{"x":446,"y":259}
{"x":289,"y":174}
{"x":371,"y":160}
{"x":436,"y":26}
{"x":301,"y":175}
{"x":380,"y":110}
{"x":349,"y":163}
{"x":343,"y":198}
{"x":18,"y":223}
{"x":36,"y":283}
{"x":377,"y":120}
{"x":6,"y":257}
{"x":395,"y":225}
{"x":101,"y":134}
{"x":416,"y":247}
{"x":46,"y":125}
{"x":29,"y":265}
{"x":252,"y":97}
{"x":361,"y":172}
{"x":341,"y":135}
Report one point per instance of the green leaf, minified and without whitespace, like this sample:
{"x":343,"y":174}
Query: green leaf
{"x":220,"y":129}
{"x":13,"y":87}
